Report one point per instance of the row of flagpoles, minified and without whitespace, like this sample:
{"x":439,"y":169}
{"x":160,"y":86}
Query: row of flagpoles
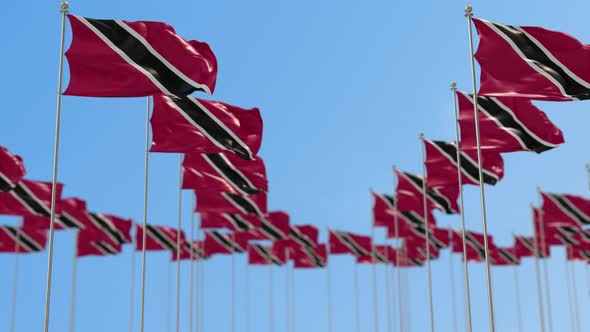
{"x":218,"y":144}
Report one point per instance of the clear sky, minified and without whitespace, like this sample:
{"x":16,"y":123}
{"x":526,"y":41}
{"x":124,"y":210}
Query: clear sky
{"x":344,"y":87}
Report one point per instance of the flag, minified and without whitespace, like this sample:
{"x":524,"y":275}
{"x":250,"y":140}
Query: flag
{"x":474,"y":243}
{"x":383,"y":210}
{"x":22,"y":240}
{"x":12,"y":169}
{"x":381,"y":254}
{"x":190,"y":250}
{"x":407,"y":221}
{"x":524,"y":246}
{"x":403,"y":260}
{"x":158,"y":238}
{"x":192,"y":125}
{"x":223,"y":243}
{"x":274,"y":226}
{"x":531,"y":62}
{"x":438,"y":238}
{"x":74,"y":215}
{"x":115,"y":58}
{"x":222,"y":202}
{"x":349,"y":243}
{"x":95,"y":244}
{"x":504,"y":257}
{"x":409,"y":195}
{"x":578,"y":253}
{"x":565,"y":209}
{"x":116,"y":228}
{"x":265,"y":255}
{"x":506,"y":125}
{"x":303,"y":236}
{"x":441,"y":165}
{"x":562,"y":235}
{"x":233,"y":221}
{"x":310,"y":257}
{"x":30,"y":198}
{"x":223,"y":172}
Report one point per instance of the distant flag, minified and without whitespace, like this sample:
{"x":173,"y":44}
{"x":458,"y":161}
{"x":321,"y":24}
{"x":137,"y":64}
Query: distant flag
{"x":524,"y":246}
{"x":310,"y":258}
{"x":441,"y":165}
{"x":565,"y":208}
{"x":22,"y":240}
{"x":348,"y":243}
{"x":158,"y":238}
{"x":381,"y":254}
{"x":12,"y":169}
{"x":531,"y":62}
{"x":409,"y":195}
{"x":30,"y":198}
{"x":474,"y":243}
{"x":274,"y":226}
{"x":383,"y":210}
{"x":224,"y":243}
{"x":504,"y":256}
{"x":74,"y":215}
{"x":116,"y":228}
{"x":438,"y":238}
{"x":192,"y":125}
{"x":190,"y":250}
{"x":224,"y":172}
{"x":578,"y":253}
{"x":232,"y":221}
{"x":222,"y":202}
{"x":506,"y":125}
{"x":93,"y":244}
{"x":303,"y":236}
{"x":115,"y":58}
{"x":410,"y":223}
{"x":265,"y":255}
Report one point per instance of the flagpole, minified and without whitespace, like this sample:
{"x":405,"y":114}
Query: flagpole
{"x":74,"y":275}
{"x":168,"y":299}
{"x":328,"y":290}
{"x":374,"y":271}
{"x":538,"y":277}
{"x":545,"y":273}
{"x":407,"y":300}
{"x":14,"y":284}
{"x":452,"y":275}
{"x":64,"y":9}
{"x":427,"y":232}
{"x":356,"y":299}
{"x":247,"y":299}
{"x":387,"y":287}
{"x":293,"y":301}
{"x":518,"y":305}
{"x":469,"y":15}
{"x":145,"y":203}
{"x":572,"y":273}
{"x":191,"y":267}
{"x":270,"y":299}
{"x":398,"y":248}
{"x":132,"y":284}
{"x":233,"y":288}
{"x":460,"y":184}
{"x":178,"y":242}
{"x":287,"y":295}
{"x":569,"y":297}
{"x":202,"y":296}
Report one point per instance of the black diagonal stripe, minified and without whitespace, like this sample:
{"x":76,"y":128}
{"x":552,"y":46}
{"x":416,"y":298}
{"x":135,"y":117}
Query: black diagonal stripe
{"x":468,"y":166}
{"x":416,"y":261}
{"x":316,"y":259}
{"x":270,"y":230}
{"x":510,"y":123}
{"x":586,"y":235}
{"x":569,"y":208}
{"x":194,"y":249}
{"x":141,"y":55}
{"x":5,"y":183}
{"x":535,"y":55}
{"x":302,"y":239}
{"x":211,"y":127}
{"x":232,"y":174}
{"x":69,"y":221}
{"x":527,"y":243}
{"x":388,"y":200}
{"x":24,"y":241}
{"x":228,"y":243}
{"x":105,"y":248}
{"x":565,"y":239}
{"x":509,"y":257}
{"x":241,"y":224}
{"x":107,"y":228}
{"x":476,"y":245}
{"x":568,"y":229}
{"x":268,"y":255}
{"x":413,"y":218}
{"x":246,"y":205}
{"x":377,"y":256}
{"x":161,"y":237}
{"x":349,"y":242}
{"x":32,"y":203}
{"x":433,"y":195}
{"x":585,"y":254}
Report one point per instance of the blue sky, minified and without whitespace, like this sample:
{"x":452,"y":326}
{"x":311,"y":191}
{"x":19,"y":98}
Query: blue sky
{"x":344,"y":87}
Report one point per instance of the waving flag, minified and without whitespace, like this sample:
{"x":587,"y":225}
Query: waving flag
{"x":441,"y":165}
{"x":224,"y":243}
{"x":12,"y":169}
{"x":506,"y":125}
{"x":22,"y":240}
{"x":474,"y":243}
{"x":565,"y":209}
{"x":115,"y":58}
{"x":381,"y":254}
{"x":117,"y":229}
{"x":190,"y":250}
{"x":74,"y":215}
{"x":504,"y":257}
{"x":233,"y":221}
{"x":310,"y":258}
{"x":383,"y":210}
{"x":524,"y":246}
{"x":223,"y":172}
{"x":30,"y":198}
{"x":221,"y":202}
{"x":274,"y":226}
{"x":410,"y":223}
{"x":410,"y":195}
{"x":349,"y":243}
{"x":96,"y":244}
{"x":265,"y":255}
{"x":192,"y":125}
{"x":158,"y":238}
{"x":531,"y":62}
{"x":578,"y":253}
{"x":303,"y":236}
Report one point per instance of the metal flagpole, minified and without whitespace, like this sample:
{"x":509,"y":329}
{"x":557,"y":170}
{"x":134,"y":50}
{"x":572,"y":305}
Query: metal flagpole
{"x":407,"y":300}
{"x":293,"y":302}
{"x":387,"y":287}
{"x":397,"y":249}
{"x":178,"y":248}
{"x":460,"y":184}
{"x":14,"y":284}
{"x":270,"y":300}
{"x":168,"y":311}
{"x":64,"y":9}
{"x":233,"y":288}
{"x":427,"y":232}
{"x":74,"y":273}
{"x":538,"y":276}
{"x":287,"y":299}
{"x":375,"y":296}
{"x":518,"y":306}
{"x":328,"y":290}
{"x":452,"y":275}
{"x":202,"y":296}
{"x":469,"y":15}
{"x":545,"y":273}
{"x":569,"y":297}
{"x":247,"y":297}
{"x":357,"y":314}
{"x":145,"y":202}
{"x":192,"y":265}
{"x":572,"y":273}
{"x":132,"y":281}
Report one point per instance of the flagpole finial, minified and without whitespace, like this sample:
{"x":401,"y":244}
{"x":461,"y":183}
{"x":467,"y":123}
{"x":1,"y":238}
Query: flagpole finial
{"x":468,"y":11}
{"x":453,"y":85}
{"x":588,"y":167}
{"x":64,"y":7}
{"x":421,"y":135}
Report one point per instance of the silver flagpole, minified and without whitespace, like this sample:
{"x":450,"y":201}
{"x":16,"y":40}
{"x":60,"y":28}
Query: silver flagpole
{"x":538,"y":276}
{"x":328,"y":287}
{"x":192,"y":266}
{"x":168,"y":310}
{"x":427,"y":232}
{"x":375,"y":296}
{"x":460,"y":184}
{"x":14,"y":284}
{"x":469,"y":15}
{"x":569,"y":297}
{"x":407,"y":300}
{"x":132,"y":281}
{"x":145,"y":203}
{"x":233,"y":288}
{"x":356,"y":299}
{"x":387,"y":287}
{"x":64,"y":9}
{"x":452,"y":274}
{"x":572,"y":272}
{"x":293,"y":302}
{"x":178,"y":248}
{"x":74,"y":273}
{"x":397,"y":249}
{"x":545,"y":273}
{"x":270,"y":300}
{"x":518,"y":306}
{"x":247,"y":297}
{"x":202,"y":296}
{"x":287,"y":299}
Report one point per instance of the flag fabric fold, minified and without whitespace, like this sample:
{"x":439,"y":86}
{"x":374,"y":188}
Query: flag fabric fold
{"x":12,"y":169}
{"x":22,"y":240}
{"x":265,"y":255}
{"x":310,"y":257}
{"x":349,"y":243}
{"x":383,"y":210}
{"x":95,"y":244}
{"x":30,"y":198}
{"x":158,"y":238}
{"x":223,"y":243}
{"x":222,"y":202}
{"x":409,"y":195}
{"x":233,"y":221}
{"x":116,"y":228}
{"x":74,"y":215}
{"x":565,"y":209}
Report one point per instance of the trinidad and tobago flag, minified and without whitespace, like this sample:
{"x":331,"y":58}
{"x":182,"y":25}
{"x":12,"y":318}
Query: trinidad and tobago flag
{"x":409,"y":195}
{"x":232,"y":221}
{"x":383,"y":210}
{"x":565,"y":209}
{"x":310,"y":257}
{"x":30,"y":198}
{"x":22,"y":240}
{"x":96,"y":244}
{"x":381,"y":254}
{"x":349,"y":243}
{"x":74,"y":215}
{"x":12,"y":169}
{"x":222,"y":202}
{"x":265,"y":255}
{"x":115,"y":58}
{"x":158,"y":238}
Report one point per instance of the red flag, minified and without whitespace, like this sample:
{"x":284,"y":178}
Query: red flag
{"x":438,"y":239}
{"x":190,"y":250}
{"x":221,"y":202}
{"x":409,"y":195}
{"x":410,"y":222}
{"x":233,"y":221}
{"x":274,"y":226}
{"x":565,"y":209}
{"x":383,"y":210}
{"x":158,"y":238}
{"x":381,"y":254}
{"x":303,"y":235}
{"x":30,"y":198}
{"x":441,"y":165}
{"x":22,"y":240}
{"x":524,"y":246}
{"x":224,"y":172}
{"x":196,"y":125}
{"x":504,"y":256}
{"x":12,"y":169}
{"x":349,"y":243}
{"x":265,"y":255}
{"x":96,"y":244}
{"x":115,"y":58}
{"x":578,"y":253}
{"x":403,"y":260}
{"x":531,"y":62}
{"x":474,"y":243}
{"x":74,"y":215}
{"x":310,"y":258}
{"x":224,"y":243}
{"x":116,"y":228}
{"x":506,"y":125}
